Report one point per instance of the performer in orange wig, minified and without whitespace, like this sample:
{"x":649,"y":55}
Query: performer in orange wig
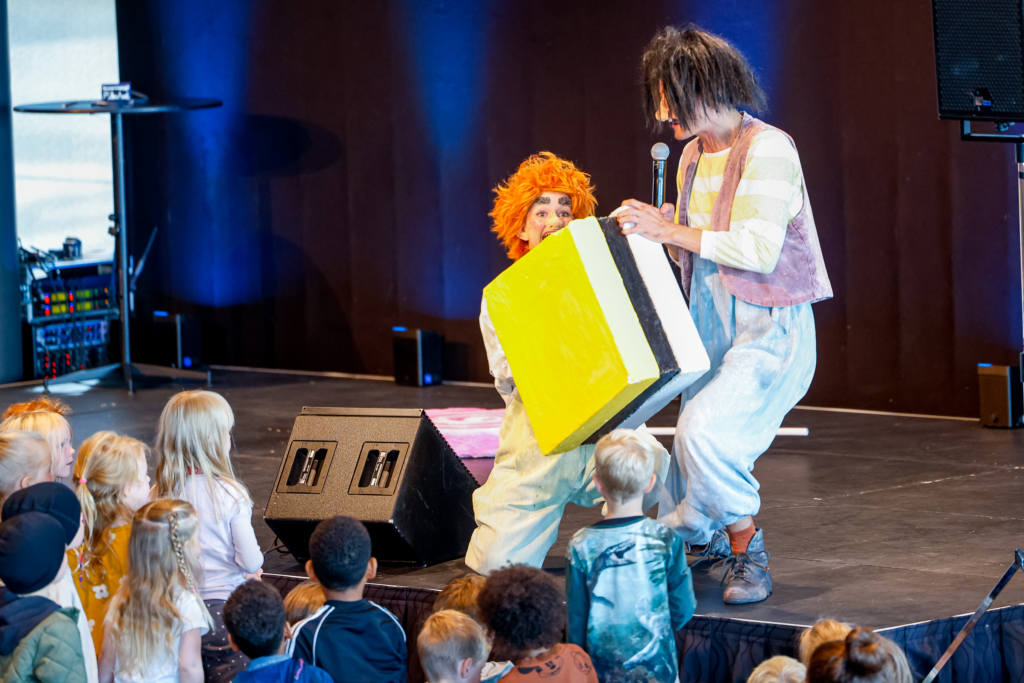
{"x":519,"y":507}
{"x":539,"y":199}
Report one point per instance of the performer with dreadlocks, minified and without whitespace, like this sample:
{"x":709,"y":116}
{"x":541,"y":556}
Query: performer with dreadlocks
{"x":744,"y":237}
{"x":520,"y":506}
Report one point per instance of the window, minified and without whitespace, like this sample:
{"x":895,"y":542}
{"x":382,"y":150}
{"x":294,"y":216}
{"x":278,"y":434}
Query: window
{"x":62,"y":50}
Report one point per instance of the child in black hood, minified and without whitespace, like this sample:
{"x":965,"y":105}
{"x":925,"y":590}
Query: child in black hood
{"x":39,"y":641}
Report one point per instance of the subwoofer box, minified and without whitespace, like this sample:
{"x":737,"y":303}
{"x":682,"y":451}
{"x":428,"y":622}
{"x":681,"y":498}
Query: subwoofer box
{"x":391,"y":469}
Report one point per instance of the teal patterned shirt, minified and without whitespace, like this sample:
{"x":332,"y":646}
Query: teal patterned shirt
{"x":629,"y":591}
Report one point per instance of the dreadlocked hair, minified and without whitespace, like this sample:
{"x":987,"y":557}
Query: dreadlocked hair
{"x":699,"y":71}
{"x":163,"y":563}
{"x":542,"y":172}
{"x":107,"y":463}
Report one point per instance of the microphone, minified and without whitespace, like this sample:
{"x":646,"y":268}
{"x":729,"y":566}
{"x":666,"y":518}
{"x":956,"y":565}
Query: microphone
{"x":659,"y":153}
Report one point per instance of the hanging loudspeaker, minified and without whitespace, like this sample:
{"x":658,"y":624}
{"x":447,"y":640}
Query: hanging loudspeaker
{"x":979,"y":59}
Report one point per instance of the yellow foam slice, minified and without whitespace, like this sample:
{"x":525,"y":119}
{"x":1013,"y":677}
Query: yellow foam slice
{"x":573,"y":341}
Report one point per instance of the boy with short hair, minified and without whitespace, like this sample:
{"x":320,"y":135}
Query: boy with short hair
{"x":255,"y":619}
{"x":452,"y":647}
{"x":352,"y":639}
{"x":524,"y":609}
{"x":629,"y":587}
{"x":39,"y":641}
{"x":461,"y":595}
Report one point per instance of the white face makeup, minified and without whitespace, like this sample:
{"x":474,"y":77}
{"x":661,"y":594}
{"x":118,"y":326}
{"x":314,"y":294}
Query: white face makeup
{"x":665,"y":114}
{"x":550,"y":212}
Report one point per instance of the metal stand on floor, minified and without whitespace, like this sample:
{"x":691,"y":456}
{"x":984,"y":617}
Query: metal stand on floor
{"x":1018,"y":144}
{"x":1018,"y":563}
{"x":117,"y":109}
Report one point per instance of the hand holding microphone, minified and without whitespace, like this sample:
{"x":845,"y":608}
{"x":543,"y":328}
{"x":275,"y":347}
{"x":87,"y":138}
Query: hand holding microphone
{"x":644,"y":219}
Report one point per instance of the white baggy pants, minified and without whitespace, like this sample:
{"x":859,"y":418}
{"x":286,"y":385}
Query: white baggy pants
{"x":762,"y":362}
{"x":519,"y":507}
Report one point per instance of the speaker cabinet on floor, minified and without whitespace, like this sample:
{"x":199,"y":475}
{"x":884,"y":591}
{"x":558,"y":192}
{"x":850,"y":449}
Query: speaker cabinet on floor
{"x":390,"y":469}
{"x":979,"y":59}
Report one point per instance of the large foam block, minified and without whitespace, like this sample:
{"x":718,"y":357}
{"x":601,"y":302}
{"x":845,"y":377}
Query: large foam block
{"x":596,"y":332}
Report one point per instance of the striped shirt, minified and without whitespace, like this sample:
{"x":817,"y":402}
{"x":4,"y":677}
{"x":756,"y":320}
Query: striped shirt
{"x":768,"y":197}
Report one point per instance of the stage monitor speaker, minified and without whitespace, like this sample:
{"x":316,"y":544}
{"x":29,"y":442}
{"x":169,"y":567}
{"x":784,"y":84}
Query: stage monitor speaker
{"x":1002,"y":400}
{"x":390,"y":469}
{"x":419,"y":355}
{"x":979,"y":59}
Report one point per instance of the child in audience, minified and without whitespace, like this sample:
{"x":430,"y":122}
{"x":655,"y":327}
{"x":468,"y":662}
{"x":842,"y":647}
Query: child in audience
{"x":524,"y":610}
{"x":862,"y":657}
{"x":52,"y":427}
{"x":45,"y":403}
{"x":352,"y":639}
{"x":24,"y":461}
{"x":628,"y":584}
{"x":778,"y":670}
{"x":39,"y":640}
{"x":58,"y":502}
{"x":255,"y":619}
{"x":113,"y":483}
{"x":155,"y":621}
{"x":460,"y":595}
{"x":453,"y":648}
{"x":194,"y":463}
{"x":822,"y":631}
{"x":302,"y":601}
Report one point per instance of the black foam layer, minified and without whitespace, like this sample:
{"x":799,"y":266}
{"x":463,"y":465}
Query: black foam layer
{"x":650,"y":322}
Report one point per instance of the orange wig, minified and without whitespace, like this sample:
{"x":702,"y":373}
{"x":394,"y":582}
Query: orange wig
{"x":543,"y":172}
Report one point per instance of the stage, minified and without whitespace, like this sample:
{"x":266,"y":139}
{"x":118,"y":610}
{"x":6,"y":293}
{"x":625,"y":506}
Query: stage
{"x":874,"y":519}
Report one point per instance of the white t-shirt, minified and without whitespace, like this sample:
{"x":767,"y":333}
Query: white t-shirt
{"x":164,"y":669}
{"x":226,"y":537}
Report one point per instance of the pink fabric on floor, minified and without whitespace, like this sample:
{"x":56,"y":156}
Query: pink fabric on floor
{"x":472,"y":432}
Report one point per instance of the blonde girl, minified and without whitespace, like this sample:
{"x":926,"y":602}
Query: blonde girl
{"x":156,"y":619}
{"x":113,"y":482}
{"x":194,"y":463}
{"x":57,"y":432}
{"x":24,"y":461}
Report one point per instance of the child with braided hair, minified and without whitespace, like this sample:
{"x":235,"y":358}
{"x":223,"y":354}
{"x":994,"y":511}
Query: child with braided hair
{"x":156,"y":620}
{"x":112,"y":484}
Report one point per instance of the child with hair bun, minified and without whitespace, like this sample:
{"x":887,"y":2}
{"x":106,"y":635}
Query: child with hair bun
{"x":113,"y":484}
{"x":155,"y":622}
{"x":822,"y":631}
{"x":194,"y":463}
{"x":57,"y":432}
{"x":862,"y":657}
{"x":24,"y":460}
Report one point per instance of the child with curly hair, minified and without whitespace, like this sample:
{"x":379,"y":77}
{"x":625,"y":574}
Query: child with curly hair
{"x":524,"y":610}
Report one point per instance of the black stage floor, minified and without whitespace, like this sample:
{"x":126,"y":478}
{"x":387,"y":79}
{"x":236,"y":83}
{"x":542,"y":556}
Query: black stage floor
{"x":875,"y":519}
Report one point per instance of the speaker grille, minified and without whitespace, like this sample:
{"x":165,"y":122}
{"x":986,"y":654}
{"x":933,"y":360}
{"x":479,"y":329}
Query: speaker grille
{"x":979,"y":47}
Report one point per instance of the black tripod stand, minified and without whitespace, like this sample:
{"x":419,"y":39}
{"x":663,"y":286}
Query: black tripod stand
{"x":117,"y":109}
{"x":1018,"y":145}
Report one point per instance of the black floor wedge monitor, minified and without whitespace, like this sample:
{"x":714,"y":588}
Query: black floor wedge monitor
{"x":390,"y":469}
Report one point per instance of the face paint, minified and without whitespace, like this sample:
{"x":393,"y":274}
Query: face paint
{"x":550,"y":212}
